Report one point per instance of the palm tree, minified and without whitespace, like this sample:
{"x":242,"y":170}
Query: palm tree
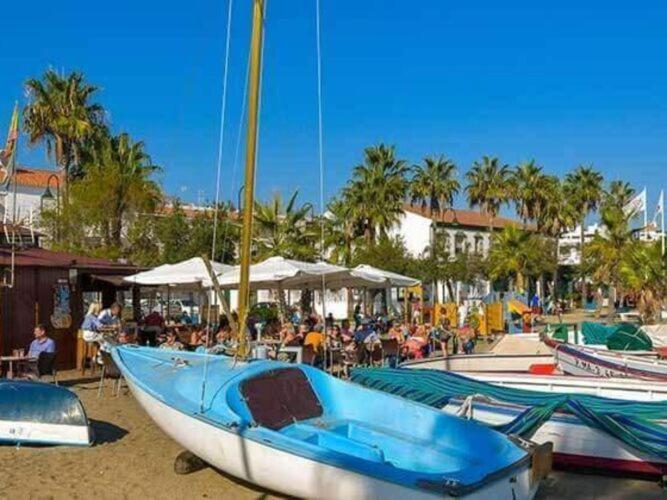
{"x":605,"y":254}
{"x":377,"y":191}
{"x":526,"y":186}
{"x":584,"y":188}
{"x":284,"y":229}
{"x":434,"y":186}
{"x":59,"y":112}
{"x":618,"y":194}
{"x":125,"y":170}
{"x":555,"y":216}
{"x":517,"y":254}
{"x":488,"y":187}
{"x":339,"y":232}
{"x":644,"y":271}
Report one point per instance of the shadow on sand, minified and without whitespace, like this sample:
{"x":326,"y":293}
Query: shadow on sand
{"x":106,"y":432}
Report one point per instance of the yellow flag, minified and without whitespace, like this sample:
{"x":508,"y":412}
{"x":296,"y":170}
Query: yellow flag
{"x":7,"y":153}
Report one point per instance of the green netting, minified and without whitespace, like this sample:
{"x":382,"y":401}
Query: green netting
{"x":635,"y":423}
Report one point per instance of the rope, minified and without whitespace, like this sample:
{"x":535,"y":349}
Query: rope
{"x":221,"y":137}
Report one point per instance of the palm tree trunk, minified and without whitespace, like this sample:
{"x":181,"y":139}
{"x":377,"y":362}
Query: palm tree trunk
{"x":434,"y":285}
{"x":584,"y":287}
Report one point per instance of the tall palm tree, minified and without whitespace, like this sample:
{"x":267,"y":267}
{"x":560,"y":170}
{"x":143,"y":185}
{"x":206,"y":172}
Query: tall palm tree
{"x":584,"y":188}
{"x":377,"y":191}
{"x":284,"y":229}
{"x":555,"y":216}
{"x":434,"y":185}
{"x":605,"y":254}
{"x":488,"y":186}
{"x":526,"y":188}
{"x":644,"y":271}
{"x":125,"y":170}
{"x":60,"y":113}
{"x":618,"y":194}
{"x":339,"y":232}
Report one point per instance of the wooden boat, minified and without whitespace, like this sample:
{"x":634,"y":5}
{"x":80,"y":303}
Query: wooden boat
{"x":616,"y":388}
{"x":585,"y":361}
{"x":299,"y":431}
{"x":40,"y":413}
{"x":575,"y":444}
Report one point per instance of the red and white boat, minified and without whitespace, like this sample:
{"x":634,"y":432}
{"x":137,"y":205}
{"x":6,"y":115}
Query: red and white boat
{"x":585,"y":361}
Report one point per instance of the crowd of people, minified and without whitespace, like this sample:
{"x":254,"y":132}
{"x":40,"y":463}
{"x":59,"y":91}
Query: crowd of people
{"x":364,"y":340}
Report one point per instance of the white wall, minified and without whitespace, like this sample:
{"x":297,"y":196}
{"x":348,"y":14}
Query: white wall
{"x":415,"y":230}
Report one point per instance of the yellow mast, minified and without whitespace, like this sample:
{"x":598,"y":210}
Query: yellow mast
{"x":249,"y":189}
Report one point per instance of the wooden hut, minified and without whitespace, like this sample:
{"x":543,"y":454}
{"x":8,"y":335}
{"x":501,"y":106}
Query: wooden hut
{"x":49,"y":287}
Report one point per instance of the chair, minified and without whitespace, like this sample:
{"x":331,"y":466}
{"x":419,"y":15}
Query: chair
{"x":376,"y":355}
{"x":46,"y":365}
{"x":109,"y":371}
{"x":90,"y":351}
{"x":308,"y":355}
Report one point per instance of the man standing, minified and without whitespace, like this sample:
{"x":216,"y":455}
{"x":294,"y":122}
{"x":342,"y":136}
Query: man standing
{"x":42,"y":342}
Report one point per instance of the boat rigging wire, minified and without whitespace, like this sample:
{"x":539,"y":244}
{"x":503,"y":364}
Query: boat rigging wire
{"x":216,"y":207}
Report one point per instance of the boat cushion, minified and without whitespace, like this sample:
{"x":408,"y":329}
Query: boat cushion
{"x":280,"y":397}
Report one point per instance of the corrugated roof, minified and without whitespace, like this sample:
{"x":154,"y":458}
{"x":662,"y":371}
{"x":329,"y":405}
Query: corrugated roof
{"x":41,"y":257}
{"x":34,"y":177}
{"x":468,"y":218}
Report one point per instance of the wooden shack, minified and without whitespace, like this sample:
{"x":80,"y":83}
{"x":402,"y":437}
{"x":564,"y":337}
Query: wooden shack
{"x":49,"y":287}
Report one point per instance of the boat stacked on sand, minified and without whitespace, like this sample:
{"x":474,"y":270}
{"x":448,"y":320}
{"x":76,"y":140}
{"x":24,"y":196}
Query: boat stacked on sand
{"x":585,"y":361}
{"x":515,"y":353}
{"x":299,"y":431}
{"x":40,"y":413}
{"x":610,"y":435}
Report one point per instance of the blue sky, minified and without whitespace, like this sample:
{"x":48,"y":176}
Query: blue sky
{"x":568,"y":83}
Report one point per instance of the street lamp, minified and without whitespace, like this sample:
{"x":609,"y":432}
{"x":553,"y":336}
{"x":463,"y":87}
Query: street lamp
{"x":48,"y":198}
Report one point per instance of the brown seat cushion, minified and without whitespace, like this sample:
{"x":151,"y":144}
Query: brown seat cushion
{"x":280,"y":397}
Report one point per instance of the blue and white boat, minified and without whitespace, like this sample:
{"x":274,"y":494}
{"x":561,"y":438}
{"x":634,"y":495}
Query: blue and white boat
{"x":299,"y":431}
{"x":40,"y":413}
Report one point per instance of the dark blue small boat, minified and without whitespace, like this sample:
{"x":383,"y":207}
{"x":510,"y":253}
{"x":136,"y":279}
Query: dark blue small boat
{"x":40,"y":413}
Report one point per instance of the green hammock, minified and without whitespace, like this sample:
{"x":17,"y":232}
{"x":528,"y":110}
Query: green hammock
{"x":633,"y":422}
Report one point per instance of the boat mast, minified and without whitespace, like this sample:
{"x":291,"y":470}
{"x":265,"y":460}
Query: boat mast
{"x":250,"y":161}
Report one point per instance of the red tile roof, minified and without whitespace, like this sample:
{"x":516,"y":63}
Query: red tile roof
{"x":41,"y":257}
{"x":34,"y":177}
{"x":469,"y":218}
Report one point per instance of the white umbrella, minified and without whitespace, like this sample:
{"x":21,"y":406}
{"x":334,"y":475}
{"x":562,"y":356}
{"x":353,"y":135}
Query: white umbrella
{"x":191,"y":272}
{"x":286,"y":274}
{"x":387,"y":278}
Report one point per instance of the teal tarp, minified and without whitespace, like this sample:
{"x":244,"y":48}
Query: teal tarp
{"x":635,"y":423}
{"x":618,"y":337}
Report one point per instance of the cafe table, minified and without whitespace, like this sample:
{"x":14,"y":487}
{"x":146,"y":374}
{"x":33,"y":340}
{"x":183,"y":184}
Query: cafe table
{"x":10,"y":360}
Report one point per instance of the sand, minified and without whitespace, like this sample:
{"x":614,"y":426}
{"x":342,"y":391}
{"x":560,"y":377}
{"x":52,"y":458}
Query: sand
{"x":133,"y":459}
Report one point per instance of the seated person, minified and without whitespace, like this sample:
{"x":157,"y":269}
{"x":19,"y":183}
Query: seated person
{"x":111,"y":316}
{"x":315,"y":339}
{"x":125,"y":338}
{"x":172,"y":342}
{"x":91,"y":324}
{"x":185,"y":318}
{"x":198,"y":337}
{"x":42,"y":342}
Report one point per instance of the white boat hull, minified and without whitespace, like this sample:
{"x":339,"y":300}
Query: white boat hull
{"x":574,"y":443}
{"x":517,"y":363}
{"x":38,"y":432}
{"x":293,"y":475}
{"x":581,"y":361}
{"x":627,"y":389}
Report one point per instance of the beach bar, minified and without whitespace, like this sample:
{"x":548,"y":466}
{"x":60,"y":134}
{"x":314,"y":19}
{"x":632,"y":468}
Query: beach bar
{"x":49,"y":287}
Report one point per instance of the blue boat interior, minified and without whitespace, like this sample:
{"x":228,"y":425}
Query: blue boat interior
{"x":306,"y":412}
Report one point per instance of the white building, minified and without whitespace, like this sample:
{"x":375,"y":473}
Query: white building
{"x":35,"y":189}
{"x":569,"y":243}
{"x":462,"y":231}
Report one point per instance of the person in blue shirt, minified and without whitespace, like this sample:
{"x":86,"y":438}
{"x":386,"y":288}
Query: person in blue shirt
{"x":42,"y":342}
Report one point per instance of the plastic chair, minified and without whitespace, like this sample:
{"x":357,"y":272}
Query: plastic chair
{"x":109,"y":371}
{"x":46,"y":365}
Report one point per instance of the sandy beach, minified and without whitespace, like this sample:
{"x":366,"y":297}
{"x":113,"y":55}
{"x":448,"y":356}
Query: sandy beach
{"x":132,"y":458}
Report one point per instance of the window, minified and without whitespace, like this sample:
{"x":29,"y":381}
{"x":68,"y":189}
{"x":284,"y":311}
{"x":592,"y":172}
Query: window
{"x":479,"y":244}
{"x":460,"y":243}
